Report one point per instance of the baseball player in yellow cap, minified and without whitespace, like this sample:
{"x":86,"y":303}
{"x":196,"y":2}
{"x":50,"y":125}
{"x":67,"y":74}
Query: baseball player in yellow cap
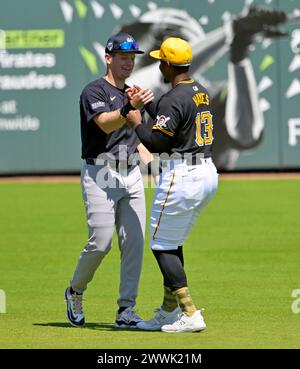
{"x":182,"y":135}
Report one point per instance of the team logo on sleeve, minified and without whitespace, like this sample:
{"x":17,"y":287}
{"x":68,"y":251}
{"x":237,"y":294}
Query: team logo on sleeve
{"x":98,"y":104}
{"x":161,"y":125}
{"x":161,"y":121}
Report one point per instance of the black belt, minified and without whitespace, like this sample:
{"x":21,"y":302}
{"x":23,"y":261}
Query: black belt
{"x":90,"y":161}
{"x":190,"y":160}
{"x":198,"y":161}
{"x":113,"y":163}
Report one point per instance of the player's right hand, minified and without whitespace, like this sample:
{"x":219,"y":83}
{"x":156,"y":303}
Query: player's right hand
{"x":138,"y":98}
{"x":131,"y":91}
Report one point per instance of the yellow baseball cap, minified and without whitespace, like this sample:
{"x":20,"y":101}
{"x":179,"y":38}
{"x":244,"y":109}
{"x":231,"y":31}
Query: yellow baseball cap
{"x":176,"y":51}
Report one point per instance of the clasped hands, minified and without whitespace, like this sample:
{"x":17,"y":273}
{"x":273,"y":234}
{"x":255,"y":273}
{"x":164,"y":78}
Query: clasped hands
{"x":138,"y":98}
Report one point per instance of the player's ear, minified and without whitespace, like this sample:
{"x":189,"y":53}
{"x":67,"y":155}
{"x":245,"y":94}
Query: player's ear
{"x":108,"y":58}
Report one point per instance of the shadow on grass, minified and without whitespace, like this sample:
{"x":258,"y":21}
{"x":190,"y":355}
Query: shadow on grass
{"x":97,"y":326}
{"x":94,"y":326}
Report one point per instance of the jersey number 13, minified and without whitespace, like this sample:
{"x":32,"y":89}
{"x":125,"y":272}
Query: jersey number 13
{"x":204,"y":119}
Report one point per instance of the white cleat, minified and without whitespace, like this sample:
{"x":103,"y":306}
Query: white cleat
{"x":194,"y":323}
{"x":160,"y":318}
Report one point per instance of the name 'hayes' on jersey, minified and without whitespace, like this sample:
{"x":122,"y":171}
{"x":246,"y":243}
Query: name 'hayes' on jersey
{"x":184,"y":114}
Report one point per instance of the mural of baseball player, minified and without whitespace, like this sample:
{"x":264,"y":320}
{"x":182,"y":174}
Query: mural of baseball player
{"x":235,"y":103}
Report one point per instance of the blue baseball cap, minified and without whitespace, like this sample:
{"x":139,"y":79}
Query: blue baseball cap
{"x":122,"y":43}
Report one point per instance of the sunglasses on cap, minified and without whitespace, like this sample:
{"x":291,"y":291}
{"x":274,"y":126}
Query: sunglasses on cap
{"x":122,"y":43}
{"x":128,"y":45}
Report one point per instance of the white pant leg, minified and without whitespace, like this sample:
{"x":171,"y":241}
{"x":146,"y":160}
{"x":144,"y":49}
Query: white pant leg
{"x":130,"y":224}
{"x":181,"y":196}
{"x":100,"y":196}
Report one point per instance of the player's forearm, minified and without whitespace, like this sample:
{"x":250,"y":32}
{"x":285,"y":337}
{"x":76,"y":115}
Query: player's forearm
{"x":145,"y":154}
{"x":151,"y":110}
{"x":110,"y":121}
{"x":155,"y":142}
{"x":243,"y":117}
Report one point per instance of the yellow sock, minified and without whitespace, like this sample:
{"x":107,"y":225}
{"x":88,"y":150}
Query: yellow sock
{"x":185,"y":301}
{"x":169,"y":302}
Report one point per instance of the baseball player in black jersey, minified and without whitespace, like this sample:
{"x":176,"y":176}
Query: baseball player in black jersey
{"x":235,"y":102}
{"x":112,"y":186}
{"x":183,"y":135}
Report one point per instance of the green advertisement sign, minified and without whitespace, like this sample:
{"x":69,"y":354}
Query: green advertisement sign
{"x":47,"y":57}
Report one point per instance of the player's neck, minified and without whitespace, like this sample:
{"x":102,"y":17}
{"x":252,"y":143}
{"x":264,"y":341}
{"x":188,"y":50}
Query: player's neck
{"x":119,"y":83}
{"x":180,"y":78}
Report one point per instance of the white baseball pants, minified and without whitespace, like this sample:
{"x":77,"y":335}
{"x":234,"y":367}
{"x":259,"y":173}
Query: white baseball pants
{"x":113,"y":197}
{"x":182,"y":194}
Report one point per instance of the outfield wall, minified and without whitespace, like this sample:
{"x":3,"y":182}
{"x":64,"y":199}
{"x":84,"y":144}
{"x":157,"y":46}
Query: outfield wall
{"x":50,"y":49}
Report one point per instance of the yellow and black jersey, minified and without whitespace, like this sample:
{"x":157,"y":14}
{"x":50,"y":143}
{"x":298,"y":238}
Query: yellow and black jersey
{"x":184,"y":115}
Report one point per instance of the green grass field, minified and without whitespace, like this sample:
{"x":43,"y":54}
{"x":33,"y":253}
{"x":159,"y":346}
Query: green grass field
{"x":242,"y":261}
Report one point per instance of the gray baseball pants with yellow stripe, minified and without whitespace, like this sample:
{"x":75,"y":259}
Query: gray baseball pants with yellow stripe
{"x":113,"y":197}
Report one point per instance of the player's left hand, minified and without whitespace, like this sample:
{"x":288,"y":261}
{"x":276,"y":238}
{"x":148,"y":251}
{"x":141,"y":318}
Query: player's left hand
{"x":133,"y":119}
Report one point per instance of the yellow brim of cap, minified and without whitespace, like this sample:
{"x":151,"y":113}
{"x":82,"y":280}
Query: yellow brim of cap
{"x":155,"y":54}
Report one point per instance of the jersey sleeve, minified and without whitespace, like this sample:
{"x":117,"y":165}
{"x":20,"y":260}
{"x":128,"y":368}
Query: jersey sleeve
{"x":94,"y":101}
{"x":154,"y":141}
{"x":151,"y":109}
{"x":168,"y":116}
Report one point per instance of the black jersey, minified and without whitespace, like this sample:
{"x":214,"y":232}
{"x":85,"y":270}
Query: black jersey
{"x":97,"y":97}
{"x":184,"y":114}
